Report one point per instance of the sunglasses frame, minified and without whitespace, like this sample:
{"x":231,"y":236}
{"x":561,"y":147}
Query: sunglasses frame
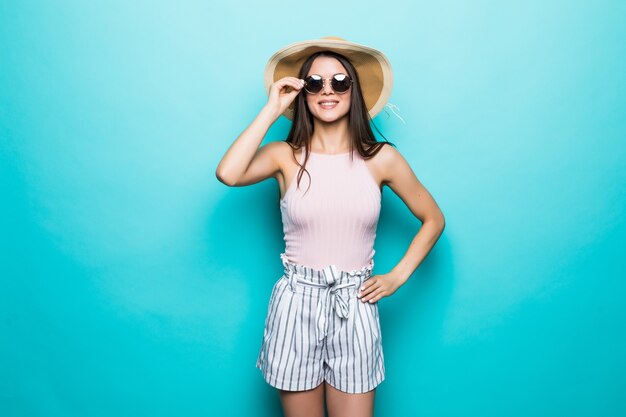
{"x":331,"y":83}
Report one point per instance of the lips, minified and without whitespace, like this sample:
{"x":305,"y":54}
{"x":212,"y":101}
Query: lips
{"x":328,"y":104}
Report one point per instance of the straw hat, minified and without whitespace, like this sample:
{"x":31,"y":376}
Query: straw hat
{"x":373,"y":68}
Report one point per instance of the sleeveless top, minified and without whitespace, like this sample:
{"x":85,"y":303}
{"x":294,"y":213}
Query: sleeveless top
{"x":331,"y":218}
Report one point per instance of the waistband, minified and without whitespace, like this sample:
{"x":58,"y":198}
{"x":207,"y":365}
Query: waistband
{"x":327,"y":276}
{"x":336,"y":288}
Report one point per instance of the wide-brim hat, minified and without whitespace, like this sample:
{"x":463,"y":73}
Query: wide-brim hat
{"x":372,"y":66}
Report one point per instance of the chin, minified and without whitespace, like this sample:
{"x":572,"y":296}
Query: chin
{"x":331,"y":117}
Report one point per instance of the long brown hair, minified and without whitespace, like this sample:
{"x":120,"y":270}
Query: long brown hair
{"x":361,"y":135}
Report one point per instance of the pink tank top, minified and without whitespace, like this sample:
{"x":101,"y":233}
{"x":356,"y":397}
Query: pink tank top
{"x":334,"y":220}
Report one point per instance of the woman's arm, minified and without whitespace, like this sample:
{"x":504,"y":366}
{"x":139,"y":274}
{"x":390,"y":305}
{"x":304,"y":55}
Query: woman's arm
{"x":244,"y":163}
{"x":402,"y":180}
{"x":399,"y":176}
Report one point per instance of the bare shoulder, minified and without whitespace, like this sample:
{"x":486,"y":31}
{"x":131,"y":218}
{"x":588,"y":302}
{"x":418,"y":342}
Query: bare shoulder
{"x":387,"y":161}
{"x":388,"y":154}
{"x":283,"y":154}
{"x":400,"y":177}
{"x":277,"y":151}
{"x":284,"y":148}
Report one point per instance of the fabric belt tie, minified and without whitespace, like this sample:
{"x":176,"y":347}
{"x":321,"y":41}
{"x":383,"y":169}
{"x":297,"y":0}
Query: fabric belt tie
{"x":325,"y":302}
{"x":331,"y":298}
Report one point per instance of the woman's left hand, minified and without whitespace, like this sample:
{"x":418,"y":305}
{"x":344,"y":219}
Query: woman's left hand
{"x":379,"y":286}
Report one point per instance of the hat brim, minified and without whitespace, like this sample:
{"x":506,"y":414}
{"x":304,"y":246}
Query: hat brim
{"x":373,"y":68}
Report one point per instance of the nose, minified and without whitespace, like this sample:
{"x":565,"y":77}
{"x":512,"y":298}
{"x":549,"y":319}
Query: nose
{"x":327,"y":89}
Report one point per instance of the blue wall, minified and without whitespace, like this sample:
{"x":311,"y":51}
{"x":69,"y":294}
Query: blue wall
{"x":134,"y":283}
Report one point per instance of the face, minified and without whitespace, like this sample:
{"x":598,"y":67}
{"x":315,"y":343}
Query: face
{"x":327,"y":67}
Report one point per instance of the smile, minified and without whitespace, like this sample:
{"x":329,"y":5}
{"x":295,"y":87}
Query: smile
{"x":328,"y":104}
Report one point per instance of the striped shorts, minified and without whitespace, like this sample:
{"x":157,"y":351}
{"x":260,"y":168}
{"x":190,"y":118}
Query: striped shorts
{"x":317,"y":329}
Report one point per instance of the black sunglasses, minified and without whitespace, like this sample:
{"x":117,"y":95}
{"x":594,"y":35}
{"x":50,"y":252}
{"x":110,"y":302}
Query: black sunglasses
{"x":340,"y":83}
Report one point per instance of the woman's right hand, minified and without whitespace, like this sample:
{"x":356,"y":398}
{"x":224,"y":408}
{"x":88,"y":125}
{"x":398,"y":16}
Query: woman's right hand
{"x":283,"y":92}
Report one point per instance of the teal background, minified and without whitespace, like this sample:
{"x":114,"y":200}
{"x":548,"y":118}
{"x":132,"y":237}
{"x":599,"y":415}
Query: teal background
{"x":136,"y":284}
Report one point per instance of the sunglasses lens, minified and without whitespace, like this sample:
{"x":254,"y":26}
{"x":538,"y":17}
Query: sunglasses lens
{"x":341,"y":83}
{"x":314,"y":84}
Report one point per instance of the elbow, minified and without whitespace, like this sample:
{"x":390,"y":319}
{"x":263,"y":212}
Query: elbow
{"x":224,"y":179}
{"x":441,"y":222}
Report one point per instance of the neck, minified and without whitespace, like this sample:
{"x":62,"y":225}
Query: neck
{"x":331,"y":137}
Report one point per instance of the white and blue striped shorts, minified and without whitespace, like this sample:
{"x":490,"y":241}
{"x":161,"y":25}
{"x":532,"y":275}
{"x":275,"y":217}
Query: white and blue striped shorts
{"x":317,"y":329}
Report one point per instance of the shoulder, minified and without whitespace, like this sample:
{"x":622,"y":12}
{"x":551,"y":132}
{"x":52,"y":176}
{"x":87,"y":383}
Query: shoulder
{"x":387,"y":160}
{"x":278,"y":151}
{"x":388,"y":154}
{"x":277,"y":147}
{"x":283,"y":152}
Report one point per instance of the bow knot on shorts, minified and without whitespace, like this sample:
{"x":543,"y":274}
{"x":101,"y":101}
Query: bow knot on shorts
{"x":317,"y":329}
{"x":334,"y":296}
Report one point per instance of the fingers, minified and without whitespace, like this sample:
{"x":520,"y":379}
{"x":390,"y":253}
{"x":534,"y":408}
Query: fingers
{"x":293,"y":82}
{"x":371,"y":291}
{"x":283,"y":92}
{"x":296,"y":82}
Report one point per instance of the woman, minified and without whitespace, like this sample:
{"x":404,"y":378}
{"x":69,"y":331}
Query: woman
{"x":322,"y":323}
